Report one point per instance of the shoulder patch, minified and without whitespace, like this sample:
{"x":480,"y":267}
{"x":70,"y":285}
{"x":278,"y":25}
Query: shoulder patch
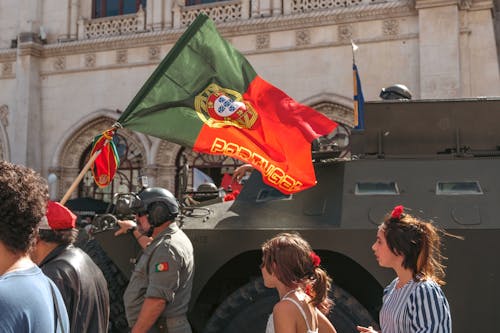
{"x":161,"y":267}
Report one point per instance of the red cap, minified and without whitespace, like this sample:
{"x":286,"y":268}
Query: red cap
{"x":58,"y":217}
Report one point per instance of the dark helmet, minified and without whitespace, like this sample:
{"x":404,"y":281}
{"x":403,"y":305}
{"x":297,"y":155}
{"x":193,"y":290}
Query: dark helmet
{"x":158,"y":203}
{"x":397,"y":91}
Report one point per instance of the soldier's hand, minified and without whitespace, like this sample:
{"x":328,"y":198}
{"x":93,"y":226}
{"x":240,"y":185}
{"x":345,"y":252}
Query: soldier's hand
{"x":240,"y":171}
{"x":125,"y":226}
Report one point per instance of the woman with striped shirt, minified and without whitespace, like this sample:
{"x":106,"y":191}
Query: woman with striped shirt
{"x":413,"y":302}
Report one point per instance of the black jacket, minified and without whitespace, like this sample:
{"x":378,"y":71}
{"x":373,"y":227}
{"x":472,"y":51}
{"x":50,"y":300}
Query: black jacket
{"x":82,"y":285}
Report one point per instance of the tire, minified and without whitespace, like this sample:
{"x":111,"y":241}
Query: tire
{"x":115,"y":279}
{"x":248,"y":308}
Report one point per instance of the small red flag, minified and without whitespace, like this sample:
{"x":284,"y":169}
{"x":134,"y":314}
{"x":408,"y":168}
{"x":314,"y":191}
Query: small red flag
{"x":107,"y":162}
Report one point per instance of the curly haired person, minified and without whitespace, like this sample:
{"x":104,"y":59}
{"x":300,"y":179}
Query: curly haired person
{"x":29,"y":302}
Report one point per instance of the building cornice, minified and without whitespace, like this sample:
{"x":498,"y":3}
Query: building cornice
{"x":232,"y":29}
{"x":481,"y":5}
{"x":31,"y":49}
{"x":423,"y":4}
{"x":8,"y":55}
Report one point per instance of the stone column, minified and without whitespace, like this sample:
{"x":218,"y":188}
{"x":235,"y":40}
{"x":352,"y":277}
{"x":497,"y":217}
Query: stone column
{"x":168,"y":16}
{"x":439,"y":33}
{"x":154,"y":15}
{"x":27,"y":124}
{"x":74,"y":14}
{"x":479,"y":31}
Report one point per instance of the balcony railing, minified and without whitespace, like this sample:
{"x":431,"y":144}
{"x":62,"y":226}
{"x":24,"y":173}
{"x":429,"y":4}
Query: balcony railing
{"x":221,"y":11}
{"x":112,"y":26}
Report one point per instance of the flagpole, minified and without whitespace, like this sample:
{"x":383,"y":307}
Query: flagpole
{"x":80,"y":176}
{"x":354,"y":47}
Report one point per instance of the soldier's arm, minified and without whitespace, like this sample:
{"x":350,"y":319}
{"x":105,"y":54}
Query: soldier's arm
{"x":151,"y":310}
{"x":128,"y":226}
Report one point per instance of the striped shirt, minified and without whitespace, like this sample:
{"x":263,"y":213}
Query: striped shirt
{"x":417,"y":307}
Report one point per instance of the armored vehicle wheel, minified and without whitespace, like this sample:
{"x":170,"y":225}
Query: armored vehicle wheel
{"x":115,"y":279}
{"x":248,"y":308}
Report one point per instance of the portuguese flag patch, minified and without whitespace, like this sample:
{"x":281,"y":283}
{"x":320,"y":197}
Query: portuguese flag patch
{"x":161,"y":267}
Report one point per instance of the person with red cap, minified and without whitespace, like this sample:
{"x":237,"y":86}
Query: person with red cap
{"x":29,"y":301}
{"x":81,"y":282}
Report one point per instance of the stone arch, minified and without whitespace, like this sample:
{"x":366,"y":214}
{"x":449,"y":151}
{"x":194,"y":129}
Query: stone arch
{"x":66,"y":162}
{"x":335,"y":107}
{"x":4,"y":139}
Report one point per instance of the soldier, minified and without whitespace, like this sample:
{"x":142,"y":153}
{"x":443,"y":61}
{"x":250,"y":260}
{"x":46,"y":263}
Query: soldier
{"x":29,"y":301}
{"x":81,"y":282}
{"x":158,"y":294}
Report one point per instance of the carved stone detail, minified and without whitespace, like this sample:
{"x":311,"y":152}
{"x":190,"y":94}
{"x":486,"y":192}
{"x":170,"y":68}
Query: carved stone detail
{"x":60,"y":63}
{"x":154,"y":53}
{"x":302,"y":37}
{"x":112,"y":26}
{"x":121,"y":56}
{"x":390,"y":27}
{"x":225,"y":11}
{"x":7,"y":69}
{"x":4,"y":115}
{"x":262,"y":41}
{"x":302,"y":6}
{"x":345,"y":32}
{"x":336,"y":112}
{"x":465,"y":4}
{"x":90,"y":60}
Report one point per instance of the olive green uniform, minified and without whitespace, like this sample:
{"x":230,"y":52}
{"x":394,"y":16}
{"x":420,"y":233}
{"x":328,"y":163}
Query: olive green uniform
{"x":164,"y":270}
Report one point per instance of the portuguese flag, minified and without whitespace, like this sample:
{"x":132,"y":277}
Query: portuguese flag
{"x":107,"y":162}
{"x":205,"y":95}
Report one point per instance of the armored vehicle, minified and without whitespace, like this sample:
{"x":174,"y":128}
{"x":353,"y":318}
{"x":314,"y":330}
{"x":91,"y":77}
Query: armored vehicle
{"x":439,"y":158}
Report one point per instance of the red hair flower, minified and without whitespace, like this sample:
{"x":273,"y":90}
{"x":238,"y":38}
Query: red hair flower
{"x":316,"y":260}
{"x":308,"y":290}
{"x":397,"y":212}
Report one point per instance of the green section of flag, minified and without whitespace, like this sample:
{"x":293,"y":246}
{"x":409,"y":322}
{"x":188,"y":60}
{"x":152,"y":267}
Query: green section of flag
{"x":164,"y":106}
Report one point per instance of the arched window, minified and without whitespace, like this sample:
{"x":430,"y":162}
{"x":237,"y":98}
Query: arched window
{"x":104,"y":8}
{"x":126,"y":178}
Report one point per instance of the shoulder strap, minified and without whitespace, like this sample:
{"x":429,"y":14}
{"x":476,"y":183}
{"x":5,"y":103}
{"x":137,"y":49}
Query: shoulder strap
{"x":301,"y":310}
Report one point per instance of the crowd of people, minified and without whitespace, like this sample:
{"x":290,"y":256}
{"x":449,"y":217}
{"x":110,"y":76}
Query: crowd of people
{"x":49,"y":285}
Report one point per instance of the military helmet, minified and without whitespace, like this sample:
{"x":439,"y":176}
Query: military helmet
{"x":159,"y":203}
{"x":396,"y":91}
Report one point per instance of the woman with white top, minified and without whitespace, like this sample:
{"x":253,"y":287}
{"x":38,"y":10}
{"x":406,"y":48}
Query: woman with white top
{"x":413,"y":301}
{"x":291,"y":266}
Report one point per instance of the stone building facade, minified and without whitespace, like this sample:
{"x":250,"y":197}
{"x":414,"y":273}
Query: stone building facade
{"x":68,"y":68}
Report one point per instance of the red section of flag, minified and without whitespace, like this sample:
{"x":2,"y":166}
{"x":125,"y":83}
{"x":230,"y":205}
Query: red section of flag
{"x":107,"y":162}
{"x":278,"y":143}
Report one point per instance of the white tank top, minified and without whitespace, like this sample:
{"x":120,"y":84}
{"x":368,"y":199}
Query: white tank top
{"x":270,"y":321}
